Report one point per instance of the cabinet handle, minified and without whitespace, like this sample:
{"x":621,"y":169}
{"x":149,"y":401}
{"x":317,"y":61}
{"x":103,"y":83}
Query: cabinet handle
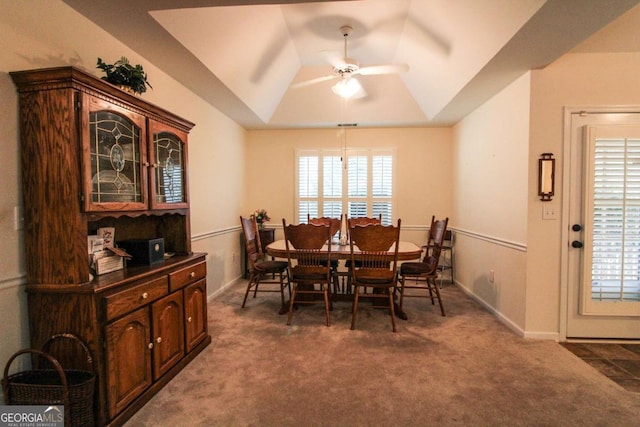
{"x":192,"y":274}
{"x":145,"y":295}
{"x":146,"y":163}
{"x":150,"y":345}
{"x":159,"y":340}
{"x":189,"y":319}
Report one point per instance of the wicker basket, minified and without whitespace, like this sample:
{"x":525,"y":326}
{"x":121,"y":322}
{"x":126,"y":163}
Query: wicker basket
{"x":69,"y":387}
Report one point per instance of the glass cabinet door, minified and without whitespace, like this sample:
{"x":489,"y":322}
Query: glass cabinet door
{"x":168,"y":154}
{"x":114,"y":158}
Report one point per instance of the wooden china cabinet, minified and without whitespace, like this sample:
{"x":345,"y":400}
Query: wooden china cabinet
{"x":95,"y":156}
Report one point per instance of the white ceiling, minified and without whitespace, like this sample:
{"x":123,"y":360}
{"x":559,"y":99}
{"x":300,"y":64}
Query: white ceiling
{"x":243,"y":56}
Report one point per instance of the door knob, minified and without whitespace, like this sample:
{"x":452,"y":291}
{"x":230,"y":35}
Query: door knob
{"x":576,"y":227}
{"x":576,"y":244}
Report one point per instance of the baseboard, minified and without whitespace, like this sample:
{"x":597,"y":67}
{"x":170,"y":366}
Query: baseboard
{"x":554,"y":336}
{"x":223,"y":288}
{"x":551,"y":336}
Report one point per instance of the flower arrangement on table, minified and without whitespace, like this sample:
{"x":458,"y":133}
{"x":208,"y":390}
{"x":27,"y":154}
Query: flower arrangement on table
{"x":261,"y":217}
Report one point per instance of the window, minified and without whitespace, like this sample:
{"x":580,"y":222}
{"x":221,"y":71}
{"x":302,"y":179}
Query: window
{"x":615,"y":260}
{"x":325,"y":187}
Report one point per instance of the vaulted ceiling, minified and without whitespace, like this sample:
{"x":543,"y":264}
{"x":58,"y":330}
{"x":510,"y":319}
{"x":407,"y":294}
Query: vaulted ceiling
{"x":243,"y":57}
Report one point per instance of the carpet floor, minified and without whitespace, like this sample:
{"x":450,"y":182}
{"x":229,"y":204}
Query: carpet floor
{"x":465,"y":369}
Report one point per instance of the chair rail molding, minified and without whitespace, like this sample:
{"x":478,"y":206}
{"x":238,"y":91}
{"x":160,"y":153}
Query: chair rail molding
{"x":215,"y":233}
{"x":491,"y":239}
{"x":12,"y":282}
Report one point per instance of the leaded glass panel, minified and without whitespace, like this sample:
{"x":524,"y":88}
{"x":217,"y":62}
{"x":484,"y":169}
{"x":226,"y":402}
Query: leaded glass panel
{"x":115,"y":158}
{"x":169,"y":170}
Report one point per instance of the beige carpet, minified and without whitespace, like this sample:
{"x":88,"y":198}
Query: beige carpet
{"x":466,"y":369}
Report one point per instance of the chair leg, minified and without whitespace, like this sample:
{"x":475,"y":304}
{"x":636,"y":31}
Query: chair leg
{"x":284,"y":284}
{"x":327,"y":288}
{"x":393,"y":314}
{"x":401,"y":280}
{"x":252,"y":277}
{"x":291,"y":302}
{"x":354,"y":307}
{"x":336,"y":281}
{"x":437,"y":291}
{"x":255,"y":287}
{"x":451,"y":260}
{"x":431,"y":288}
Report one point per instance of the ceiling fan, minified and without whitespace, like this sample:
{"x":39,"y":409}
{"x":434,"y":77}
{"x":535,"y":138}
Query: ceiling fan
{"x":345,"y":69}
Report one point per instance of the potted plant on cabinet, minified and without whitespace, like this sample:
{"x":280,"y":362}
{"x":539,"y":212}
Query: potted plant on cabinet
{"x":128,"y":77}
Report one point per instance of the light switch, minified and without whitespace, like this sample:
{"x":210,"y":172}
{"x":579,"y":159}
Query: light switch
{"x":549,"y":212}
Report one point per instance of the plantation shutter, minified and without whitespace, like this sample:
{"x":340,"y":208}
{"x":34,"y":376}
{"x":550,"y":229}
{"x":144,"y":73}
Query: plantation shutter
{"x":308,"y":180}
{"x":611,"y":255}
{"x":325,"y":188}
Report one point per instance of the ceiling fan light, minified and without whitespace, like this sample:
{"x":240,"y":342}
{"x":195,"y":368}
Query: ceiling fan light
{"x":346,"y":88}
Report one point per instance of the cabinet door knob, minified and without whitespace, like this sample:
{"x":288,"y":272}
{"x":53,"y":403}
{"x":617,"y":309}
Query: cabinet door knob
{"x":150,"y":345}
{"x":145,"y":295}
{"x":159,"y":340}
{"x":192,"y":274}
{"x":189,"y":319}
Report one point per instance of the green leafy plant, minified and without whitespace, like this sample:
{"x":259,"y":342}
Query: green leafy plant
{"x":122,"y":73}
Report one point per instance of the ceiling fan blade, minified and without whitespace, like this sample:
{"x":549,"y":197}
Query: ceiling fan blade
{"x":383,"y":69}
{"x":313,"y":81}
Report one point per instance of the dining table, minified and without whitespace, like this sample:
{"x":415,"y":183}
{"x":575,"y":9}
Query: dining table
{"x":407,"y":251}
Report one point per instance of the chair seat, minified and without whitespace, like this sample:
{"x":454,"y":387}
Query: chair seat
{"x":374,"y":277}
{"x":309,"y":273}
{"x":417,"y":268}
{"x":271,"y":266}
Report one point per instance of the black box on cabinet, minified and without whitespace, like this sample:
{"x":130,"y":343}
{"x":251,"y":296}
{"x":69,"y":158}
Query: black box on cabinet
{"x":143,"y":251}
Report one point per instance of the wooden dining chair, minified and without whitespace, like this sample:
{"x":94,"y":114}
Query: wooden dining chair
{"x":335,"y":226}
{"x":261,"y":270}
{"x":375,"y":248}
{"x":309,"y":264}
{"x":362,"y":221}
{"x":365,"y":220}
{"x":423,"y":275}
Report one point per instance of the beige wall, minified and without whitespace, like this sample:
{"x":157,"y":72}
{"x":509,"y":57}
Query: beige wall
{"x":41,"y":34}
{"x":490,"y":206}
{"x":422,"y":177}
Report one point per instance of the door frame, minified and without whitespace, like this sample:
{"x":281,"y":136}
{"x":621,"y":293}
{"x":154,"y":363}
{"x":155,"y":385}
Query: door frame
{"x":566,"y":199}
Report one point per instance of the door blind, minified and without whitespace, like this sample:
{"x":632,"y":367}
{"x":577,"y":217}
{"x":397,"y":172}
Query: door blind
{"x":615,"y":266}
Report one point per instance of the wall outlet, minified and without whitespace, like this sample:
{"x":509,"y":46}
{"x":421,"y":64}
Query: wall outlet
{"x":491,"y":276}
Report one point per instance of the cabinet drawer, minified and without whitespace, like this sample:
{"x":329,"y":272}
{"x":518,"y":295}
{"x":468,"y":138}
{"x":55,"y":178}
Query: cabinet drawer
{"x":180,"y":278}
{"x":130,"y":299}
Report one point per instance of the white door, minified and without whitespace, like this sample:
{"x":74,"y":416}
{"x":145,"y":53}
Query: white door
{"x":604,"y":226}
